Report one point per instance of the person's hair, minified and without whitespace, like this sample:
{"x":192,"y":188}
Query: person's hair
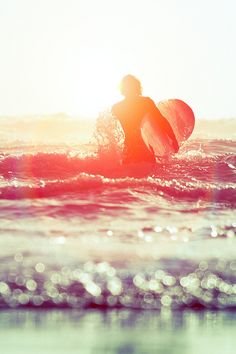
{"x":130,"y":86}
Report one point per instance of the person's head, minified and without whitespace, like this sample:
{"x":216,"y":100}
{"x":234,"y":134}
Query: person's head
{"x":130,"y":86}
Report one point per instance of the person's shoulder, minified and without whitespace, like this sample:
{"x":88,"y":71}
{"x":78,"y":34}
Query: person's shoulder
{"x":118,"y":104}
{"x":116,"y":107}
{"x":148,"y":101}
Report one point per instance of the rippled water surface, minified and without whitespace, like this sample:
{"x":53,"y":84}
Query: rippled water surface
{"x":78,"y":230}
{"x":117,"y":332}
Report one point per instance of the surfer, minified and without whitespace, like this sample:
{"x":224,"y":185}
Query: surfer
{"x":130,"y":112}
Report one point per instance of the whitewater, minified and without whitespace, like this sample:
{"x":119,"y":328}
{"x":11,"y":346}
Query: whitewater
{"x":78,"y":230}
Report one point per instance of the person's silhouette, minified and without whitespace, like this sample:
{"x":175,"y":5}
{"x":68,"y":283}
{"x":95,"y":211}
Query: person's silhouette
{"x":130,"y":112}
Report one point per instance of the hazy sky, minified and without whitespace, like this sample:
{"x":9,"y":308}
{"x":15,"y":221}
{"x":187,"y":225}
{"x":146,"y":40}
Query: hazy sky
{"x":69,"y":55}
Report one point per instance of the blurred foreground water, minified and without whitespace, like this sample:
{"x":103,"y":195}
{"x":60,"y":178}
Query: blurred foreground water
{"x":117,"y":332}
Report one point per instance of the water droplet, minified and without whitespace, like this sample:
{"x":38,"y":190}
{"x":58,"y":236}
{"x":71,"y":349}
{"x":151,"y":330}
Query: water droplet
{"x":31,"y":285}
{"x":40,"y":267}
{"x":23,"y":299}
{"x":4,"y":288}
{"x":93,"y":289}
{"x":115,"y":286}
{"x":166,"y":300}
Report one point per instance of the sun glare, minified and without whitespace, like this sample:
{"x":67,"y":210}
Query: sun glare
{"x":97,"y":86}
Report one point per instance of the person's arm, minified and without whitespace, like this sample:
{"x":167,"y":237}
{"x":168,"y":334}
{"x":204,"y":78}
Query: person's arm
{"x":165,"y":125}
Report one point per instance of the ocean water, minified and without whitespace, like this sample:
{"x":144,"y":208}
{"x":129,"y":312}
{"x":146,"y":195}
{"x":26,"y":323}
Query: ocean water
{"x":80,"y":231}
{"x":120,"y":331}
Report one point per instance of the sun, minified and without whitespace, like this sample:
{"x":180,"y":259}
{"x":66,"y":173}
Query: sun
{"x":97,"y":83}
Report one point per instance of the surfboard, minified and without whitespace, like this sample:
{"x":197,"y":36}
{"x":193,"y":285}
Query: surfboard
{"x":181,"y":118}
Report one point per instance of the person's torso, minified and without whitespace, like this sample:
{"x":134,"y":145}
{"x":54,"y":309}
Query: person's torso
{"x":130,"y":113}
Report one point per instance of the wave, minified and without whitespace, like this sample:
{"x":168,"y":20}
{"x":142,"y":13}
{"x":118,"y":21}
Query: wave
{"x":195,"y":173}
{"x":49,"y":161}
{"x":89,"y":183}
{"x":203,"y":169}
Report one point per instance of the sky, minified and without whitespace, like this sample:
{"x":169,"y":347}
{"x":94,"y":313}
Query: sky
{"x":69,"y":55}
